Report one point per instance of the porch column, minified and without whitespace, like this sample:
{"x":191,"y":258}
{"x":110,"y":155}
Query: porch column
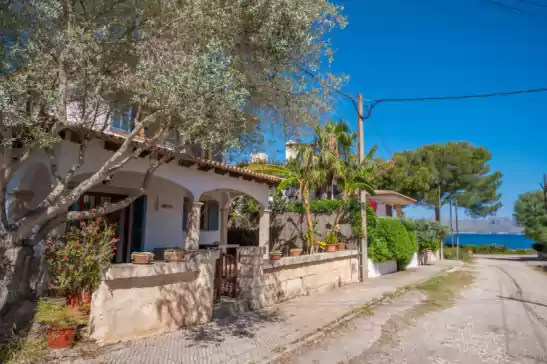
{"x":224,"y":215}
{"x":399,"y":210}
{"x":264,"y":232}
{"x":192,"y":234}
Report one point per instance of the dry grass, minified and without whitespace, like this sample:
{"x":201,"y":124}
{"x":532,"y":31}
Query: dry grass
{"x":24,"y":351}
{"x":441,"y":293}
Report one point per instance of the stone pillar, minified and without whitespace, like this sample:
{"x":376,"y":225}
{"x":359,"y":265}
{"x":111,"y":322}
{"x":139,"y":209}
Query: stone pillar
{"x":192,"y":233}
{"x":224,"y":214}
{"x":254,"y":289}
{"x":264,"y":232}
{"x":399,"y":210}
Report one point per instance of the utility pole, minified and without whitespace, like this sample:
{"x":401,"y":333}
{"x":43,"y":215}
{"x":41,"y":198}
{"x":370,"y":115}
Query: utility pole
{"x":440,"y":222}
{"x":545,"y":189}
{"x":451,"y":226}
{"x":457,"y":231}
{"x":362,"y":194}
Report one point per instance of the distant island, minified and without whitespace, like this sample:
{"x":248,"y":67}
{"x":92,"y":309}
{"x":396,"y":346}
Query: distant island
{"x":489,"y":225}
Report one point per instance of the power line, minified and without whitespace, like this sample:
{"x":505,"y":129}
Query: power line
{"x":462,"y":97}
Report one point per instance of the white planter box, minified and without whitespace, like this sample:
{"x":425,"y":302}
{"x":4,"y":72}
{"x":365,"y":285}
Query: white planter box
{"x":380,"y":269}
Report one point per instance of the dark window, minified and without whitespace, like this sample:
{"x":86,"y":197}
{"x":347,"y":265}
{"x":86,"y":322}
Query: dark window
{"x":122,"y":119}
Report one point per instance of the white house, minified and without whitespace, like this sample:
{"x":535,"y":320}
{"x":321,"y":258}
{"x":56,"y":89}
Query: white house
{"x":159,"y":218}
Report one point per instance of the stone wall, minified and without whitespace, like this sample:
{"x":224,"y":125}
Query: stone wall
{"x":264,"y":282}
{"x":287,"y":231}
{"x":136,"y":301}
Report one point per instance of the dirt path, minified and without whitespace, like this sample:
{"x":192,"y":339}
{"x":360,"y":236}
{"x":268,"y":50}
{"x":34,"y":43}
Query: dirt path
{"x":500,"y":318}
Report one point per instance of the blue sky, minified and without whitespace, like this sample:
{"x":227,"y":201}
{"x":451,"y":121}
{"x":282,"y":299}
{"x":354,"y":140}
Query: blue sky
{"x":410,"y":48}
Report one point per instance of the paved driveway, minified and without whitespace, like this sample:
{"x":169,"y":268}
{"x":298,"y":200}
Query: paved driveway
{"x":501,"y":318}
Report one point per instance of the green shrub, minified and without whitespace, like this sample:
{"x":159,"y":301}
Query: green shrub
{"x":539,"y":247}
{"x":429,"y":233}
{"x":378,"y":250}
{"x":450,"y":253}
{"x":316,"y":206}
{"x":400,"y":242}
{"x":433,"y":245}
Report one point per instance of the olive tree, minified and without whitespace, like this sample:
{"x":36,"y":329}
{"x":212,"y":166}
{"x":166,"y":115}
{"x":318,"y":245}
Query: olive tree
{"x":212,"y":72}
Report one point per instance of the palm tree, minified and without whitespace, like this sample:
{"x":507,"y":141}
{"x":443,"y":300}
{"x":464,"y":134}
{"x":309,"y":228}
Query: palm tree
{"x":355,"y":176}
{"x":305,"y":172}
{"x":333,"y":144}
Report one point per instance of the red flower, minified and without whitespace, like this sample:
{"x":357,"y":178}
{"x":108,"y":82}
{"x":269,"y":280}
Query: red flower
{"x":49,"y":284}
{"x":65,"y":257}
{"x":59,"y":270}
{"x":68,"y":249}
{"x":113,"y":253}
{"x":98,"y":219}
{"x":117,"y":239}
{"x":113,"y":246}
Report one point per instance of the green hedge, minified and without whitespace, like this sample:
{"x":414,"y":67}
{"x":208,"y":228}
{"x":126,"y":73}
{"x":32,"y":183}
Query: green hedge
{"x":391,"y":240}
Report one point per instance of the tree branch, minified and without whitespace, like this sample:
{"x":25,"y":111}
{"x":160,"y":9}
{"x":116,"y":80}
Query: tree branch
{"x":108,"y":208}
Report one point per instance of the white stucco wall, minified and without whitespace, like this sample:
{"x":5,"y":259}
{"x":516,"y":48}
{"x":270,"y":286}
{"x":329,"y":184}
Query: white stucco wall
{"x":381,"y":210}
{"x":380,"y":269}
{"x":414,"y":262}
{"x":170,"y":184}
{"x":196,"y":181}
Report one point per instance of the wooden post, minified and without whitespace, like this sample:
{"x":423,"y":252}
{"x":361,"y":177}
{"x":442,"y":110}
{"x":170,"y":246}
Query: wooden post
{"x":362,"y":194}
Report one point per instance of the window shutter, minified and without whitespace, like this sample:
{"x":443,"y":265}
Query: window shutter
{"x":213,"y":217}
{"x":185,"y":207}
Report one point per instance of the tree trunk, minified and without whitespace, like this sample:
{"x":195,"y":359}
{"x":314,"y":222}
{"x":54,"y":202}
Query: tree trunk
{"x":339,"y":212}
{"x":309,"y":221}
{"x":15,"y":264}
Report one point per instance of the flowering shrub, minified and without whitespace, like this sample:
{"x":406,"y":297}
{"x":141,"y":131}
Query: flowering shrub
{"x":79,"y":259}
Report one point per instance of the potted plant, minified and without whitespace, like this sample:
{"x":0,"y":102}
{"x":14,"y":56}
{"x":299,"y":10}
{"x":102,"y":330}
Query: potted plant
{"x":173,"y":255}
{"x":295,"y":252}
{"x":78,"y":260}
{"x":341,"y":244}
{"x":275,"y":255}
{"x":142,"y":257}
{"x":331,"y":242}
{"x":61,"y":321}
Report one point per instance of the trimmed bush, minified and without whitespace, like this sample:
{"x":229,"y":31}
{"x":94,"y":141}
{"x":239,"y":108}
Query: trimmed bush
{"x":400,"y":243}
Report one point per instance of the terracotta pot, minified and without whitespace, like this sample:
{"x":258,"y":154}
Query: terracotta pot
{"x":340,"y":246}
{"x":60,"y":337}
{"x":295,"y":252}
{"x":86,"y":298}
{"x":173,"y":256}
{"x":331,"y":248}
{"x":142,"y":259}
{"x":275,"y":256}
{"x":75,"y":301}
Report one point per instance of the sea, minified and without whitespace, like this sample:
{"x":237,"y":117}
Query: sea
{"x":511,"y":241}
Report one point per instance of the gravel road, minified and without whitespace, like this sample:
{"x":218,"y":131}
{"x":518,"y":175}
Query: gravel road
{"x":500,"y":318}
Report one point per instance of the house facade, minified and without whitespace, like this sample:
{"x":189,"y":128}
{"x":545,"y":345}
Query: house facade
{"x":159,"y":218}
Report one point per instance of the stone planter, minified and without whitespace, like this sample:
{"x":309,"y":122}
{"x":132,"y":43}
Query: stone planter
{"x":340,"y":246}
{"x":173,"y":255}
{"x":142,"y":258}
{"x":295,"y":252}
{"x":331,"y":248}
{"x":60,"y":337}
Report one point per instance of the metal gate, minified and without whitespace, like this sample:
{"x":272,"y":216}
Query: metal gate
{"x":226,"y":274}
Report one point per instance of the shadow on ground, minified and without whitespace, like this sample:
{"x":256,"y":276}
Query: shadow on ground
{"x":242,"y":325}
